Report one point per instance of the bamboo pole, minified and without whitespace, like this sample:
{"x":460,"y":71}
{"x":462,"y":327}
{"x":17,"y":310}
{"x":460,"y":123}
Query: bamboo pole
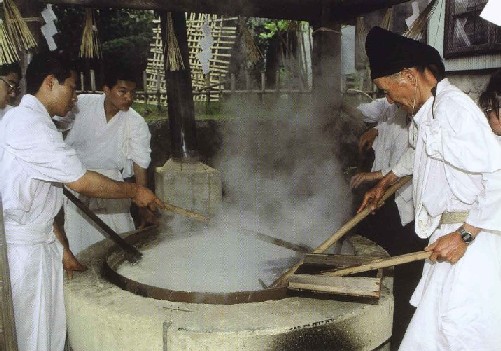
{"x":380,"y":263}
{"x":343,"y":230}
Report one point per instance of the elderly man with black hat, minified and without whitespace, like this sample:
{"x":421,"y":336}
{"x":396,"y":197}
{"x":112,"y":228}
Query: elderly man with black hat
{"x":456,"y":171}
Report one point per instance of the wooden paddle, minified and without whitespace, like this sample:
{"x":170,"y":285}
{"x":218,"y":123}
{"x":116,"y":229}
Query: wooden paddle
{"x":282,"y":280}
{"x":380,"y":263}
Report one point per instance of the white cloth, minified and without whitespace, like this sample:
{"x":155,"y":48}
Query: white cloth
{"x":456,"y":167}
{"x":110,"y":148}
{"x":4,"y":110}
{"x":34,"y":161}
{"x":390,"y":144}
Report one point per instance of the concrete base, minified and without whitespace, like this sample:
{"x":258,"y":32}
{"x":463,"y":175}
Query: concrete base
{"x":101,"y":317}
{"x":193,"y":186}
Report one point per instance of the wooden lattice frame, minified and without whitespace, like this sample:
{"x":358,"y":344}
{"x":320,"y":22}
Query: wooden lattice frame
{"x":224,"y":34}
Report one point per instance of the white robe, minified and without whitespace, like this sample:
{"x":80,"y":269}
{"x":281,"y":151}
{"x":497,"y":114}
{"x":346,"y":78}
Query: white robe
{"x":4,"y":110}
{"x":456,"y":166}
{"x":34,"y":161}
{"x":109,"y":148}
{"x":390,"y":144}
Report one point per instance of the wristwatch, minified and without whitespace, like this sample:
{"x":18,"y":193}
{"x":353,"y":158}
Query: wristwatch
{"x":465,"y":235}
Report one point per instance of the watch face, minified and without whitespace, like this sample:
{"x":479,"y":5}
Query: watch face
{"x":467,"y":237}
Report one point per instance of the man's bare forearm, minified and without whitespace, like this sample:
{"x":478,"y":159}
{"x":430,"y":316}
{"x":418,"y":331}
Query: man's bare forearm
{"x":93,"y":184}
{"x":141,"y":175}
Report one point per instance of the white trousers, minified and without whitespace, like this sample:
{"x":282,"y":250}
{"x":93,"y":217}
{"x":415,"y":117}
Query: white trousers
{"x":36,"y":276}
{"x":459,"y":305}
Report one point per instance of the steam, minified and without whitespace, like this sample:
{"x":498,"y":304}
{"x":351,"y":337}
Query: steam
{"x":281,"y":179}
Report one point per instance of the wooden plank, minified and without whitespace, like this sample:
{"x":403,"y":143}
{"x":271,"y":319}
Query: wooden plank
{"x":353,"y":286}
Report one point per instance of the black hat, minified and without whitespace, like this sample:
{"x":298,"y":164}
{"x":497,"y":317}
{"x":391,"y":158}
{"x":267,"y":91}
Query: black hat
{"x":389,"y":53}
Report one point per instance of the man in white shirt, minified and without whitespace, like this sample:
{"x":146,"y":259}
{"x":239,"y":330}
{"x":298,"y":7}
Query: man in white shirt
{"x":111,"y":138}
{"x":456,"y":171}
{"x":389,"y":139}
{"x":490,"y":102}
{"x":35,"y":162}
{"x":10,"y":75}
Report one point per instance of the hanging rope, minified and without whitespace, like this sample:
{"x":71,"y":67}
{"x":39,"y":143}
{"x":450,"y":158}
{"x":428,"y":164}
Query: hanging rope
{"x":8,"y":53}
{"x":174,"y":59}
{"x":417,"y":27}
{"x":90,"y":46}
{"x":16,"y":27}
{"x":250,"y":48}
{"x":387,"y":19}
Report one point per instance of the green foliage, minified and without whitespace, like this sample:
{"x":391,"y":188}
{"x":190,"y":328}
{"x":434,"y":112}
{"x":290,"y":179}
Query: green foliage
{"x":273,"y":28}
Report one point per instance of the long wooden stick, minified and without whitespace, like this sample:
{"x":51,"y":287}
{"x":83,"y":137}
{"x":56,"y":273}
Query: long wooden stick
{"x":343,"y":230}
{"x":380,"y":263}
{"x":186,"y":213}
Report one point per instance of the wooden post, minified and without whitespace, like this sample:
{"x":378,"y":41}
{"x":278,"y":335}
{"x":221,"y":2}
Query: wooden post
{"x":247,"y":80}
{"x":263,"y":86}
{"x":92,"y":81}
{"x":159,"y":107}
{"x":207,"y":91}
{"x":145,"y":89}
{"x":82,"y":80}
{"x":277,"y":81}
{"x":326,"y":60}
{"x":233,"y":83}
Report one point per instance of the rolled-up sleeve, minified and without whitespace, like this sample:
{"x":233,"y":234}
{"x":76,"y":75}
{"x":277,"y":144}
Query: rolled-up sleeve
{"x":139,"y":139}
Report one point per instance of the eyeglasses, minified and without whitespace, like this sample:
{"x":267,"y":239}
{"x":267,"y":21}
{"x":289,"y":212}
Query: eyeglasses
{"x":12,"y":87}
{"x":122,"y":93}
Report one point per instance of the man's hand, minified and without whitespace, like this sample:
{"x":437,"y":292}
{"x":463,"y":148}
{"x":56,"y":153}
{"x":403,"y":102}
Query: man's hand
{"x":144,"y":197}
{"x":373,"y":196}
{"x":147,"y":217}
{"x":449,"y":248}
{"x":366,"y":140}
{"x":371,"y":199}
{"x":364,"y":177}
{"x":71,"y":264}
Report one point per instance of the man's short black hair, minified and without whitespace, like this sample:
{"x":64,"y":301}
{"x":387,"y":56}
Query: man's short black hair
{"x":10,"y":68}
{"x":48,"y":63}
{"x":114,"y":73}
{"x":490,"y":99}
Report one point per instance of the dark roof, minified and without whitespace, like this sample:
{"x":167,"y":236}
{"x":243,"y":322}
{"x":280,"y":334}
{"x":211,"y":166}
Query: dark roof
{"x":313,"y":10}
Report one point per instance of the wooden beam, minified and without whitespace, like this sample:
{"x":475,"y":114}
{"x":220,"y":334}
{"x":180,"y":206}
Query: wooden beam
{"x":340,"y":10}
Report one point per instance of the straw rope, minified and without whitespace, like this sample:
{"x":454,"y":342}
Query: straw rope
{"x":387,"y":19}
{"x":8,"y":53}
{"x":250,"y":48}
{"x":417,"y":28}
{"x":174,"y":60}
{"x":16,"y":27}
{"x":90,"y":46}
